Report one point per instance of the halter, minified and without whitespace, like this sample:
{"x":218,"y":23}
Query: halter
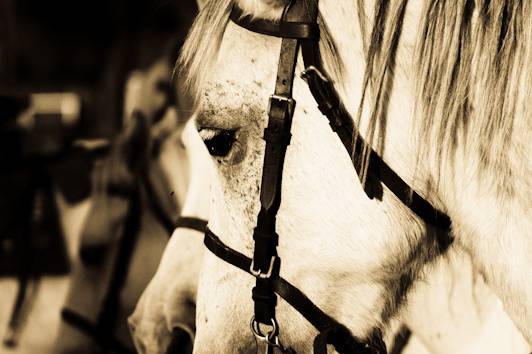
{"x":298,"y":28}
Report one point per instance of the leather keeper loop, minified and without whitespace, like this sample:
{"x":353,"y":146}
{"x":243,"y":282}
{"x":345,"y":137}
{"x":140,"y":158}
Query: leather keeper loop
{"x":276,"y":137}
{"x":272,"y":238}
{"x":264,"y":304}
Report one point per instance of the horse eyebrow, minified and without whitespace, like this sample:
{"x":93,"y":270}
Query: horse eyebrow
{"x":215,"y":111}
{"x":220,"y":118}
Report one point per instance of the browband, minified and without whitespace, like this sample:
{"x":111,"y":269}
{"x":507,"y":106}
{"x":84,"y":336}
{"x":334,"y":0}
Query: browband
{"x":294,"y":30}
{"x":333,"y":332}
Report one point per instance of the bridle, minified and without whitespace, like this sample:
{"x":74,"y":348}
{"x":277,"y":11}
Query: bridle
{"x":298,"y":28}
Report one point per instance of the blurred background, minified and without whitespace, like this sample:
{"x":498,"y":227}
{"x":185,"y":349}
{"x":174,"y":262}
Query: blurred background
{"x":88,"y":117}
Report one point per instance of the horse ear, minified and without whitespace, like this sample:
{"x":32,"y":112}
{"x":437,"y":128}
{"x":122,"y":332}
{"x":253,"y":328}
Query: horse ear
{"x":135,"y":140}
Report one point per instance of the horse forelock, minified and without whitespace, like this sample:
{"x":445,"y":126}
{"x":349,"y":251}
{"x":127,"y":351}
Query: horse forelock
{"x":200,"y":50}
{"x":199,"y":53}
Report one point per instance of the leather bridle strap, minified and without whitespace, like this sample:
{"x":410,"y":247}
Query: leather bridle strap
{"x":340,"y":120}
{"x":284,"y":29}
{"x":266,"y":263}
{"x":331,"y":331}
{"x":192,"y":223}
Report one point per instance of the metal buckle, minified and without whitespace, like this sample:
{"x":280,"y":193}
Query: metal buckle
{"x":282,"y":99}
{"x":306,"y":73}
{"x":259,"y":273}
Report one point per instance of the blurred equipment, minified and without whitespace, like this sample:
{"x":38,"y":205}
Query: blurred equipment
{"x":63,"y":68}
{"x":88,"y":47}
{"x":31,"y":240}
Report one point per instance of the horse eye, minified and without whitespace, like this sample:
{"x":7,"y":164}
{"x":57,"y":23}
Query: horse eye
{"x":219,"y":142}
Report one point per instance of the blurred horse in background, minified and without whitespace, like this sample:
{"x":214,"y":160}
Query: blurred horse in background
{"x":137,"y":191}
{"x":169,"y":301}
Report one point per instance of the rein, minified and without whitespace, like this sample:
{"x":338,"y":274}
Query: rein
{"x":299,"y":29}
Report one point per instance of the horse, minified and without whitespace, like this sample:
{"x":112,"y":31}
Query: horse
{"x":441,"y":94}
{"x":452,"y":311}
{"x":137,"y":191}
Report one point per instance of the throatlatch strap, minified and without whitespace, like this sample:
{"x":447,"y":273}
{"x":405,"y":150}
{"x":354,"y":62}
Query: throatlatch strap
{"x":335,"y":334}
{"x":341,"y":123}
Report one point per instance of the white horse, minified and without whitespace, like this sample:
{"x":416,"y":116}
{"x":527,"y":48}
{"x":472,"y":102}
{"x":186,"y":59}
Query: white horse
{"x":457,"y":129}
{"x":463,"y":85}
{"x":451,"y":311}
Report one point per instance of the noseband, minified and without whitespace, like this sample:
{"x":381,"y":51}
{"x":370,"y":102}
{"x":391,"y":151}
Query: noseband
{"x":298,"y":28}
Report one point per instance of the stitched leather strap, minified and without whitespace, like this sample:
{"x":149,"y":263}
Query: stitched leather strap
{"x":191,"y":222}
{"x":342,"y":124}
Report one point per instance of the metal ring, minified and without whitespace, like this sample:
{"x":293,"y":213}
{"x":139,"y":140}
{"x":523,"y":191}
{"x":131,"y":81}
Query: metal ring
{"x":271,"y":338}
{"x":255,"y":328}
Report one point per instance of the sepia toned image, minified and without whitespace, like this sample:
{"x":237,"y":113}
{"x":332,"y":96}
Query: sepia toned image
{"x":266,"y":176}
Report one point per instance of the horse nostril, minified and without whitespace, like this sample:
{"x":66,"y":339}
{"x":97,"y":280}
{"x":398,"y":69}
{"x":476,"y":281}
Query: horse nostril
{"x":181,"y":343}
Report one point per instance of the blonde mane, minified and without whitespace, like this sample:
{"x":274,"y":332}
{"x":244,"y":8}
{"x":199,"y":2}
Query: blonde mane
{"x":202,"y":44}
{"x":473,"y":65}
{"x":473,"y":69}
